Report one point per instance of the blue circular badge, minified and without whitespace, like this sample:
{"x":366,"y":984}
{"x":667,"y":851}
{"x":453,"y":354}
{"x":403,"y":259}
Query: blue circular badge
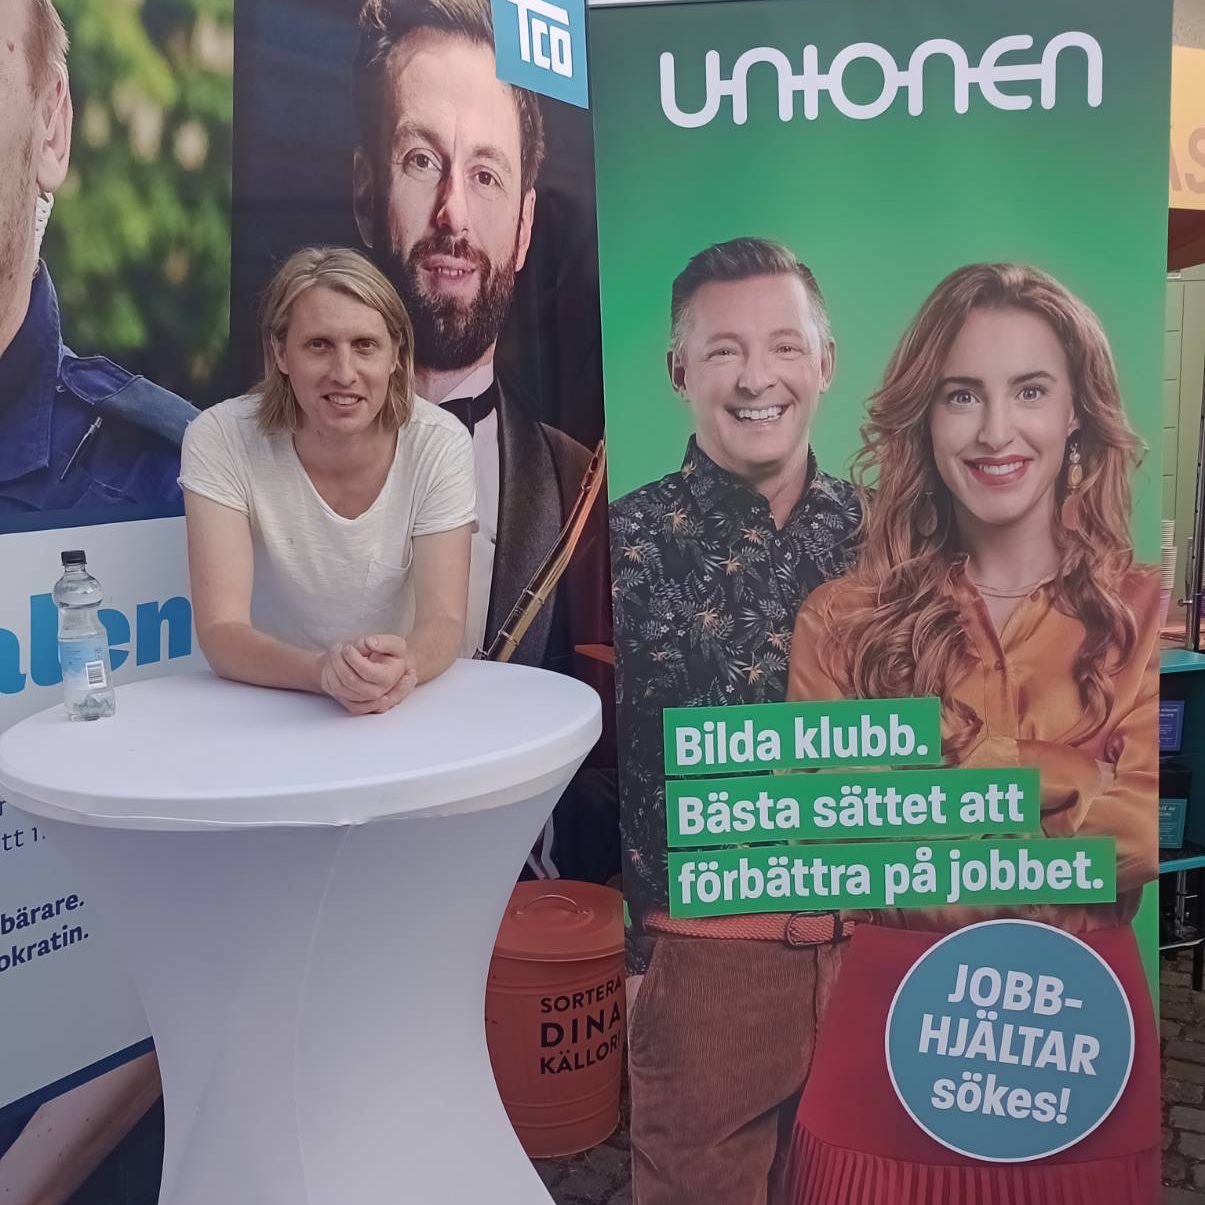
{"x":1009,"y":1041}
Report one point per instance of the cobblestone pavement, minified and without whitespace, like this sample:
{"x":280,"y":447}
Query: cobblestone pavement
{"x":597,"y":1177}
{"x":1182,"y":1022}
{"x":601,"y":1176}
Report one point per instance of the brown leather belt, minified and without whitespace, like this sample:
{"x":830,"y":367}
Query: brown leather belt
{"x":790,"y":928}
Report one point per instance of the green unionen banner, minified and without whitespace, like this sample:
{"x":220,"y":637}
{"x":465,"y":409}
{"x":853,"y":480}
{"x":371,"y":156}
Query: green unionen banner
{"x":882,"y":303}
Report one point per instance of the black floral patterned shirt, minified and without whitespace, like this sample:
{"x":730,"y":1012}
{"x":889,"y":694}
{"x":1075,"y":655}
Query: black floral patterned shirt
{"x":705,"y":591}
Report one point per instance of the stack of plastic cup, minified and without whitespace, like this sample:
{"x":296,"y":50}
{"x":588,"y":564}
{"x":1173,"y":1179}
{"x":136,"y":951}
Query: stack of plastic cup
{"x":1167,"y":569}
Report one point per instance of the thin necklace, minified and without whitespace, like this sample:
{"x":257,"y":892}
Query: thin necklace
{"x":1019,"y":592}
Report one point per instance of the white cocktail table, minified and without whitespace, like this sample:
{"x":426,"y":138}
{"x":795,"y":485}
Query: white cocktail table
{"x":307,"y":902}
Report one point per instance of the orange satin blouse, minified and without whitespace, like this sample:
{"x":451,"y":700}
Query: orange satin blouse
{"x":1022,"y":686}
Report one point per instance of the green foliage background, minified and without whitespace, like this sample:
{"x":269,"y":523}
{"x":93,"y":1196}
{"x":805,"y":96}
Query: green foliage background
{"x":139,"y":242}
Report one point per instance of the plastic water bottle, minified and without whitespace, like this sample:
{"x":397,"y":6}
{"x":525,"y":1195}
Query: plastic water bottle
{"x":83,"y":644}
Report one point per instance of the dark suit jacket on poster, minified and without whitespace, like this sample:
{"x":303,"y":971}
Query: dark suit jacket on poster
{"x":540,"y":471}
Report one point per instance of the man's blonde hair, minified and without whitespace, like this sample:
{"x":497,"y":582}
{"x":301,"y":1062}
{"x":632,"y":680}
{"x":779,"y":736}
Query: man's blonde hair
{"x":342,"y":271}
{"x":46,"y":43}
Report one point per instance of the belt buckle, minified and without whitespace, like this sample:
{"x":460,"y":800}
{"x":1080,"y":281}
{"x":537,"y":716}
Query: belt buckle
{"x":798,"y":943}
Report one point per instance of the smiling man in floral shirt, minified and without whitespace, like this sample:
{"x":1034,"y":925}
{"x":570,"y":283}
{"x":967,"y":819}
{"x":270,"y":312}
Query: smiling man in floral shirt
{"x":711,"y":564}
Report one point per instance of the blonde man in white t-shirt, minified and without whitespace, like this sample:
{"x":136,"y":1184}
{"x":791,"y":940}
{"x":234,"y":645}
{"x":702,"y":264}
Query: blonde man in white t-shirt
{"x":329,"y":510}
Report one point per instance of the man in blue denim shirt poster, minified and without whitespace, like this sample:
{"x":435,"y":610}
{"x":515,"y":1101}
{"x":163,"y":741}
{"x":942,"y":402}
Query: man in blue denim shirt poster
{"x":77,"y":433}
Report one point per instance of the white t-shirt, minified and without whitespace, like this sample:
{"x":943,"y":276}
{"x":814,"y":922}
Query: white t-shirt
{"x":321,"y":578}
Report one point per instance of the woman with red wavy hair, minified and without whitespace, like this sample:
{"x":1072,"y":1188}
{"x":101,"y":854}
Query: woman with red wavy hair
{"x":997,"y":574}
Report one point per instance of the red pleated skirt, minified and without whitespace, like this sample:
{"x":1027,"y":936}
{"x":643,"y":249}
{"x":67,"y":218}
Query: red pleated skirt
{"x":854,"y":1144}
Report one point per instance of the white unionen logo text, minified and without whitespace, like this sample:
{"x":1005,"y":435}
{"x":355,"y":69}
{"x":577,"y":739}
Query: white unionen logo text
{"x":544,"y":37}
{"x":987,"y":76}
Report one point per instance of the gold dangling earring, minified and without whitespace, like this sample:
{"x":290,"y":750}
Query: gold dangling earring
{"x":1075,"y":475}
{"x":926,"y":518}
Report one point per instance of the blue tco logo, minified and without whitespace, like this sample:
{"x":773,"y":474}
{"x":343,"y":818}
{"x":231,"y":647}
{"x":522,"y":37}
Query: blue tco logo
{"x":542,"y":47}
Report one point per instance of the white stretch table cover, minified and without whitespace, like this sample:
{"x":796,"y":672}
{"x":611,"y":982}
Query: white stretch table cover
{"x":307,"y":902}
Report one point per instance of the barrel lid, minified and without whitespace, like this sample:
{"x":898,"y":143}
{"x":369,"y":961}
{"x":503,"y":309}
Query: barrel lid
{"x":559,"y":920}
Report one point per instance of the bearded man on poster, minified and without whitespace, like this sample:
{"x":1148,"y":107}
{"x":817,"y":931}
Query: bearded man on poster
{"x":444,"y":192}
{"x":711,"y":564}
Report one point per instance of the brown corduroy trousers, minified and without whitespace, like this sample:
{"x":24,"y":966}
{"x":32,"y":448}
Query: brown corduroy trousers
{"x":720,"y":1041}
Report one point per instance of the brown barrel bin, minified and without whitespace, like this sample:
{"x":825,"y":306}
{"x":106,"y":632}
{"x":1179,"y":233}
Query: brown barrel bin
{"x":556,"y":1014}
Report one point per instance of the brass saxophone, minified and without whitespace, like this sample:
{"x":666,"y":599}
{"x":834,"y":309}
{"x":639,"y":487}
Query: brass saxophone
{"x":538,"y":591}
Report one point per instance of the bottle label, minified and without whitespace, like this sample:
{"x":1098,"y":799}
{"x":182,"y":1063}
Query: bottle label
{"x":83,"y":663}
